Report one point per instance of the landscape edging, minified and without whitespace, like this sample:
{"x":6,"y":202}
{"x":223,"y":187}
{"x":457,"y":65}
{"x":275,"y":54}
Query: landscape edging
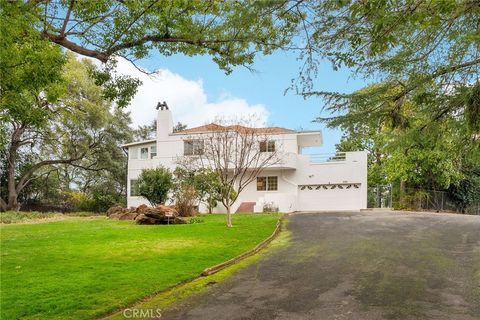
{"x":258,"y":247}
{"x":211,"y":270}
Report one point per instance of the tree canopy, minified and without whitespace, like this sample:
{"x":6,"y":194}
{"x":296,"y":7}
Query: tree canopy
{"x":416,"y":50}
{"x":229,"y":31}
{"x":78,"y":129}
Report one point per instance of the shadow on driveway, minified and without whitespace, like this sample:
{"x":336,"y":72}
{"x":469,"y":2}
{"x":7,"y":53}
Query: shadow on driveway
{"x":355,"y":266}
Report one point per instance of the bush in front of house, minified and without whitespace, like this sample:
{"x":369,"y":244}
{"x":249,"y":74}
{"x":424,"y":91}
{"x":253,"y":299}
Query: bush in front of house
{"x":185,"y":197}
{"x":155,"y":185}
{"x":270,"y":207}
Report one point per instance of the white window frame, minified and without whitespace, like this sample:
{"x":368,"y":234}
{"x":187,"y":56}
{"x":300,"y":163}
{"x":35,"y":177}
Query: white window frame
{"x":133,"y":153}
{"x":153,"y":151}
{"x":132,"y":183}
{"x":267,"y":146}
{"x":197,"y":146}
{"x":142,"y":154}
{"x":267,"y":183}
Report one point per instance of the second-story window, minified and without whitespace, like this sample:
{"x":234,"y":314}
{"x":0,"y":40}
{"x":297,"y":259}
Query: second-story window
{"x":153,"y":151}
{"x":267,"y":146}
{"x":192,"y":147}
{"x":144,"y":153}
{"x":133,"y":153}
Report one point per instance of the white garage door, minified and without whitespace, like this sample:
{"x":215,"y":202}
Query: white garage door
{"x":315,"y":198}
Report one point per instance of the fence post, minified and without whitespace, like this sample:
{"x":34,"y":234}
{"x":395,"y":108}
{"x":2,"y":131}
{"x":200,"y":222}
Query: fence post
{"x":442,"y":202}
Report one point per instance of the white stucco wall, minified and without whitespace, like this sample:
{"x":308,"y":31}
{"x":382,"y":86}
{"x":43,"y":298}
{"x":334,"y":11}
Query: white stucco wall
{"x":296,"y":170}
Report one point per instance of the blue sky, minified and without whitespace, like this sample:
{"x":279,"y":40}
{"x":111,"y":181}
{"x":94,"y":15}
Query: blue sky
{"x":264,"y":87}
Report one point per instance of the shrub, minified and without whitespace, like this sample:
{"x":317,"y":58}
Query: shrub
{"x":155,"y":184}
{"x":270,"y":207}
{"x":185,"y":197}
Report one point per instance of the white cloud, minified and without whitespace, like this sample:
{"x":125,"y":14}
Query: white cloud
{"x":186,"y":98}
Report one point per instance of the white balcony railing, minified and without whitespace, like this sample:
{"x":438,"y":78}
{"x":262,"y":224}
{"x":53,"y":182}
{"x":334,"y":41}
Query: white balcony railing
{"x":328,"y":157}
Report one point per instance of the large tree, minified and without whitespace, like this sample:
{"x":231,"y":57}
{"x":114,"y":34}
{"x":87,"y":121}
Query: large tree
{"x":410,"y":149}
{"x":419,"y":50}
{"x":79,"y":129}
{"x":231,"y":32}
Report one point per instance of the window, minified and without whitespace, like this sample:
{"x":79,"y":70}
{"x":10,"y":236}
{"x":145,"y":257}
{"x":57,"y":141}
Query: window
{"x":144,"y":153}
{"x":153,"y":151}
{"x":272,"y":183}
{"x":261,"y":183}
{"x":133,"y":153}
{"x":192,"y":147}
{"x":134,"y":188}
{"x":267,"y":146}
{"x":267,"y":183}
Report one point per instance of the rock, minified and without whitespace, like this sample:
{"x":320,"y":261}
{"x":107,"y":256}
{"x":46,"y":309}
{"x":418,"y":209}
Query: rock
{"x":166,"y":210}
{"x":115,"y":210}
{"x":143,"y":219}
{"x":160,"y":215}
{"x":144,"y":214}
{"x":155,"y":214}
{"x":141,"y":208}
{"x":179,"y":220}
{"x":129,"y":215}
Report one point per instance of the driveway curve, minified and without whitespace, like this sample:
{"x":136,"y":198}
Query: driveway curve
{"x":356,"y":265}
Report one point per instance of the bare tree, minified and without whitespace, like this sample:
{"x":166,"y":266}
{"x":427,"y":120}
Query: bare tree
{"x":237,"y":151}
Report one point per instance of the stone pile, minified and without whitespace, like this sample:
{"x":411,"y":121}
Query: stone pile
{"x":144,"y":214}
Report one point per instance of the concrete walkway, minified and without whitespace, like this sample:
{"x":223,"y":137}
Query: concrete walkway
{"x":355,"y":266}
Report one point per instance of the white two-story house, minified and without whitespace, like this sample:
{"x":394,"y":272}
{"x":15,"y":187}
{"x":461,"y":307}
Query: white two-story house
{"x":300,"y":182}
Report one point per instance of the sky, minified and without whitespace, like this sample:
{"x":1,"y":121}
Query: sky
{"x":197,"y":92}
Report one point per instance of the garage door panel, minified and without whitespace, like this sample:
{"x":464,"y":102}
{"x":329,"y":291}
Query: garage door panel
{"x":336,"y":199}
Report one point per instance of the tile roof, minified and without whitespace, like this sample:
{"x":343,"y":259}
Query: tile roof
{"x":212,"y":127}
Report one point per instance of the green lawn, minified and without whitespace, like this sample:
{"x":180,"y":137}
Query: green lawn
{"x":82,"y":268}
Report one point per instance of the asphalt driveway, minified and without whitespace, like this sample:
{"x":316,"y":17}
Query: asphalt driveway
{"x":355,"y":266}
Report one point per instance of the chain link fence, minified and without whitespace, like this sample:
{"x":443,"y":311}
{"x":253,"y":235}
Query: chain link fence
{"x":418,"y":199}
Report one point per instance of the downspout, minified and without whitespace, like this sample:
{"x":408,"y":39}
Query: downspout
{"x":293,"y":184}
{"x":126,"y":171}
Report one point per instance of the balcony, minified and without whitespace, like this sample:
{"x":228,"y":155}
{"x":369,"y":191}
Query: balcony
{"x":328,"y":157}
{"x":287,"y":161}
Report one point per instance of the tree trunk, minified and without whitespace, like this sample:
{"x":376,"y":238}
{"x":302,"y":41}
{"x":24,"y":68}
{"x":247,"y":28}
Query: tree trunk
{"x":12,"y":198}
{"x":379,"y":197}
{"x":229,"y":217}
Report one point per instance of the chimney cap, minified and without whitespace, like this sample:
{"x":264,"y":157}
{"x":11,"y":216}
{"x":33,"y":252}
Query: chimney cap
{"x":162,"y":106}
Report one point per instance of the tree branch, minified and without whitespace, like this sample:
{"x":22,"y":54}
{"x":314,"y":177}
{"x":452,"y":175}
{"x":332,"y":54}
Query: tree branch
{"x":67,"y":18}
{"x":64,"y":42}
{"x":24,"y":179}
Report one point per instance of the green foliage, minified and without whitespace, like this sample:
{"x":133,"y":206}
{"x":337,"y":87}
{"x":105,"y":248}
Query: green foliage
{"x":417,"y":51}
{"x":29,"y":65}
{"x":145,"y":132}
{"x":91,"y":267}
{"x":117,"y":88}
{"x":155,"y":185}
{"x":467,"y":191}
{"x":205,"y":181}
{"x":422,"y":154}
{"x":73,"y":140}
{"x":179,"y":127}
{"x":96,"y":200}
{"x":231,"y":33}
{"x":185,"y":197}
{"x":17,"y":217}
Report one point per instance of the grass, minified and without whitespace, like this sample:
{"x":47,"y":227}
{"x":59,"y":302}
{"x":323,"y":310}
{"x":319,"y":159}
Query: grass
{"x":166,"y":298}
{"x":30,"y":216}
{"x":84,"y":268}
